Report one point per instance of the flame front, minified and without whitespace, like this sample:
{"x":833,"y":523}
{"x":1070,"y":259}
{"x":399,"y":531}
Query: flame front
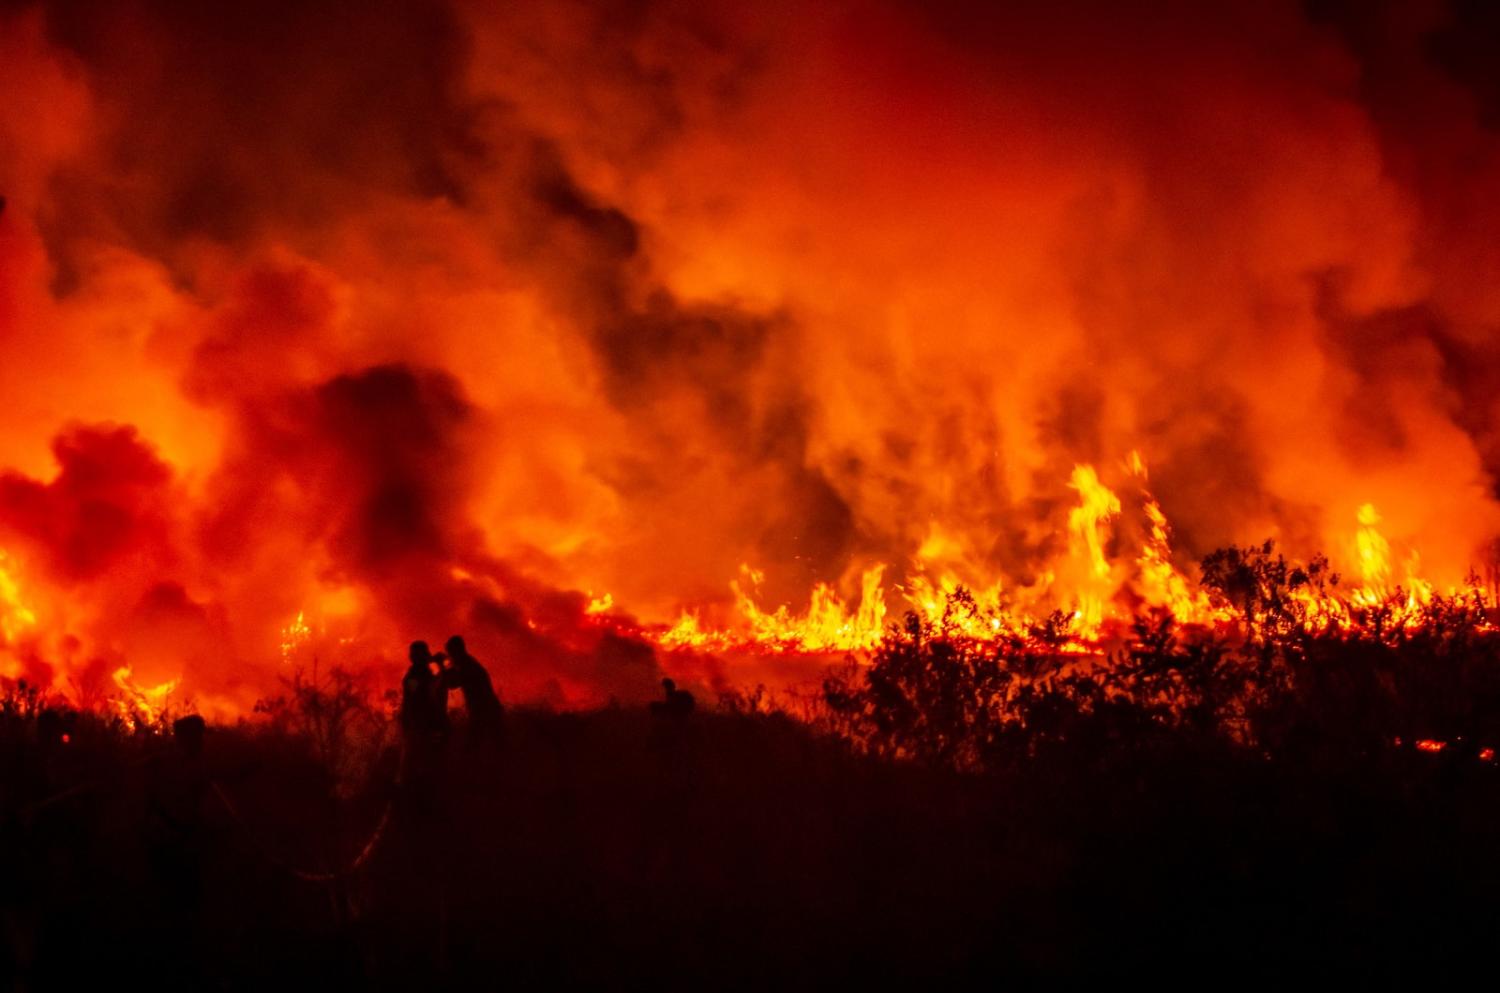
{"x":141,"y":706}
{"x":1113,"y":592}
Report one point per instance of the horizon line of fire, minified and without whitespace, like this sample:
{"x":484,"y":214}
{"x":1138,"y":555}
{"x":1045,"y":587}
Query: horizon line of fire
{"x":1091,"y":596}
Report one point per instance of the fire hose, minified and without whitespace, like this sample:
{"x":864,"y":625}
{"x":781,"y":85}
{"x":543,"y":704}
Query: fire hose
{"x":36,"y":806}
{"x":366,"y":851}
{"x":311,"y":876}
{"x":360,"y":860}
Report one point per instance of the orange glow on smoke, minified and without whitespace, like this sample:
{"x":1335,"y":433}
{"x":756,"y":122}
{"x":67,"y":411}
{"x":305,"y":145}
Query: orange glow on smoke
{"x":15,"y":617}
{"x":719,"y":335}
{"x":1113,"y":591}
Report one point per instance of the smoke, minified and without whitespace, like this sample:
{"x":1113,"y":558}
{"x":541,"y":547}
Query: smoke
{"x":411,"y":318}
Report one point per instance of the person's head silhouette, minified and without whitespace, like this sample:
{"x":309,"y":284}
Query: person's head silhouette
{"x":419,"y":653}
{"x":455,"y":646}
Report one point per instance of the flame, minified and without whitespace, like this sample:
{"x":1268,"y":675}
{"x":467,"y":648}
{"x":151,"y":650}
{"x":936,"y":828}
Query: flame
{"x":1376,"y":588}
{"x":829,"y":623}
{"x":1094,"y":601}
{"x":1089,"y":531}
{"x":1374,"y":555}
{"x":294,"y":636}
{"x":687,"y":632}
{"x":1159,"y":581}
{"x":16,"y":617}
{"x":141,"y":706}
{"x":1161,"y":584}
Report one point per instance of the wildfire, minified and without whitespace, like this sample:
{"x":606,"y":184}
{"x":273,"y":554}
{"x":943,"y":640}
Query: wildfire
{"x":15,"y":616}
{"x":1376,"y":569}
{"x":829,"y":625}
{"x":1088,"y":528}
{"x":687,"y":632}
{"x":141,"y":706}
{"x":1101,"y":596}
{"x":590,"y":309}
{"x":294,"y":636}
{"x":1374,"y":555}
{"x":1160,"y":582}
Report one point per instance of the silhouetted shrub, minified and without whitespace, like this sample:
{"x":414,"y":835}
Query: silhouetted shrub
{"x":1304,"y":675}
{"x":345,"y":732}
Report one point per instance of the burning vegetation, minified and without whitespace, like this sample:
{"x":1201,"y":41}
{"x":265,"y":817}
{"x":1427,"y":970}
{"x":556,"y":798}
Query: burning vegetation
{"x":1105,"y":597}
{"x":698,"y":339}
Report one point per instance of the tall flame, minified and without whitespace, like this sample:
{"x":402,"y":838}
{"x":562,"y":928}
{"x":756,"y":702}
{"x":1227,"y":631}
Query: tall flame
{"x":1103,"y":591}
{"x":15,"y":616}
{"x":1088,"y":527}
{"x":141,"y":706}
{"x":1374,"y":554}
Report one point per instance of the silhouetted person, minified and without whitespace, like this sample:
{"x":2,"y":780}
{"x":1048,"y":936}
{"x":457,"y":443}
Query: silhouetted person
{"x":465,"y":673}
{"x":424,"y":719}
{"x":424,"y":709}
{"x":673,"y":739}
{"x":678,"y":703}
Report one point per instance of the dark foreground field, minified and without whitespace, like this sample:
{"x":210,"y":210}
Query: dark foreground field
{"x":617,"y":849}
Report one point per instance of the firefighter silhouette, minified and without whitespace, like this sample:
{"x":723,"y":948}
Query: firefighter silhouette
{"x":468,"y":675}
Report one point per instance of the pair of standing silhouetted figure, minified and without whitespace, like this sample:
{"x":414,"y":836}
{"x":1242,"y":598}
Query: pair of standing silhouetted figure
{"x":424,"y":695}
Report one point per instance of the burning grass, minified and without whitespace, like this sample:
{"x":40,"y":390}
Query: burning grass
{"x":1096,"y":589}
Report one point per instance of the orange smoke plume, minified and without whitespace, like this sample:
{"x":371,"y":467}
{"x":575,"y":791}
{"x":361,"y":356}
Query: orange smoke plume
{"x":614,"y":334}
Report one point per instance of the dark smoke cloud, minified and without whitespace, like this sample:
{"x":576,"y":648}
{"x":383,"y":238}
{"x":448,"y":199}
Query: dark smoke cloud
{"x":228,"y":122}
{"x":110,"y":502}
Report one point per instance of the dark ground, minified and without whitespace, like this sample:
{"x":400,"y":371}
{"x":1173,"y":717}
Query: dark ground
{"x":613,"y":849}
